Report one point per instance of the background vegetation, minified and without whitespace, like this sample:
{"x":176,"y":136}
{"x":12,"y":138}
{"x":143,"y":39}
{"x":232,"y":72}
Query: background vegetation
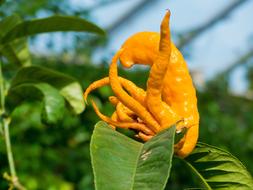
{"x":57,"y":156}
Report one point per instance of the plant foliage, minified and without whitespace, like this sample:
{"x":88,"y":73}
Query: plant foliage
{"x":122,"y":163}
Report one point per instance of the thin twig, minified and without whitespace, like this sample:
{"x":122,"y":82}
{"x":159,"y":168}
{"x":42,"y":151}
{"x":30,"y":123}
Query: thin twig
{"x":2,"y":99}
{"x":241,"y":61}
{"x":130,"y":14}
{"x":5,"y":122}
{"x":193,"y":34}
{"x":2,"y":95}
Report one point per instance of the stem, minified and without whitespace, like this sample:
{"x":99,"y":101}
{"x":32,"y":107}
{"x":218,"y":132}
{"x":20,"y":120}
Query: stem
{"x":5,"y":121}
{"x":2,"y":97}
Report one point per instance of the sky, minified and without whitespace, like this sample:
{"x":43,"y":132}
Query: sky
{"x":212,"y":52}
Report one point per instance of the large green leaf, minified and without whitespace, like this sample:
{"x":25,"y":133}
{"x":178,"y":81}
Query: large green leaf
{"x":51,"y":24}
{"x":120,"y":162}
{"x":68,"y":87}
{"x":53,"y":102}
{"x":218,"y":169}
{"x":16,"y":52}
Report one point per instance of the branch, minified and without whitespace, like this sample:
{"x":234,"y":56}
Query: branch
{"x":191,"y":35}
{"x":242,"y":60}
{"x":97,"y":5}
{"x":103,"y":3}
{"x":131,"y":14}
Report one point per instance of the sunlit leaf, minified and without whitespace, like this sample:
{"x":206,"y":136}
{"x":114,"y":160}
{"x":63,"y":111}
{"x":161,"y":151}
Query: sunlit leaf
{"x":52,"y":101}
{"x":120,"y":162}
{"x":218,"y":169}
{"x":51,"y":24}
{"x":68,"y":87}
{"x":16,"y":52}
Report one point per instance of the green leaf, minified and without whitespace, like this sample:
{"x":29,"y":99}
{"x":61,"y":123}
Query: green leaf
{"x":218,"y":169}
{"x":53,"y":102}
{"x":68,"y":87}
{"x":120,"y":162}
{"x":9,"y":23}
{"x":16,"y":52}
{"x":51,"y":24}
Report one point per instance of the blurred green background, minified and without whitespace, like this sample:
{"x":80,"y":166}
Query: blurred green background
{"x":57,"y":157}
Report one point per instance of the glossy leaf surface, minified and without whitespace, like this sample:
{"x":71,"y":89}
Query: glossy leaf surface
{"x":218,"y":169}
{"x":52,"y":101}
{"x":16,"y":52}
{"x":51,"y":24}
{"x":68,"y":87}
